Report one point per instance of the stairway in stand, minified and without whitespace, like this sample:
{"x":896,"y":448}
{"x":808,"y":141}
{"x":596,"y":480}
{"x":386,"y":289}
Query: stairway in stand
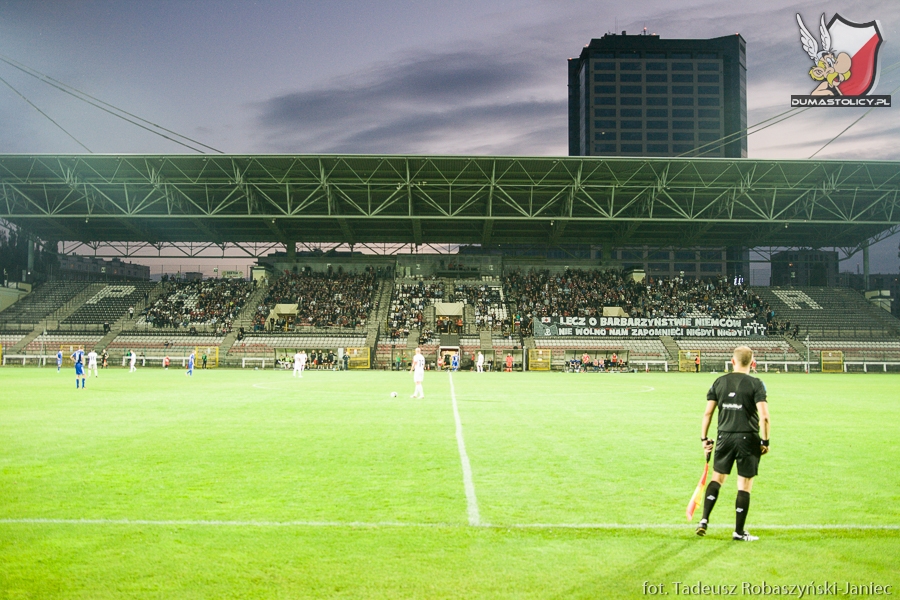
{"x":671,"y":347}
{"x":379,"y":313}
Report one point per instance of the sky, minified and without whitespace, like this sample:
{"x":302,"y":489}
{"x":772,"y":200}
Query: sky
{"x":401,"y":77}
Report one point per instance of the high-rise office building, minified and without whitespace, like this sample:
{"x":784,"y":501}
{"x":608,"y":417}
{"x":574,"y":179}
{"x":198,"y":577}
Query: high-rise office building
{"x":639,"y":95}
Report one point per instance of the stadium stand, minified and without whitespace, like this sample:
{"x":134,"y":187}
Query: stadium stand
{"x":722,"y":350}
{"x":206,"y":303}
{"x":50,"y":342}
{"x":650,"y":349}
{"x":832,"y":313}
{"x":585,"y":293}
{"x":110,"y":303}
{"x":265,"y":345}
{"x":487,"y":300}
{"x":8,"y":340}
{"x":41,"y":302}
{"x":161,"y":344}
{"x":860,"y":350}
{"x":408,"y":303}
{"x":322,"y":301}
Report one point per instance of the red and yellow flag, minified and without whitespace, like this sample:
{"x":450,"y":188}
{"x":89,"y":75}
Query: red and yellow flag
{"x":698,"y":493}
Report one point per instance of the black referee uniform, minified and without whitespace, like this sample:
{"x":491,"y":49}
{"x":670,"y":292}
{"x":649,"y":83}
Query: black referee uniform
{"x":737,"y":440}
{"x":737,"y":435}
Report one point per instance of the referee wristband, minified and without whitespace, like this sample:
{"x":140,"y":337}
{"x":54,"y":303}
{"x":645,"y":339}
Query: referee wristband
{"x":705,"y":439}
{"x":764,"y":443}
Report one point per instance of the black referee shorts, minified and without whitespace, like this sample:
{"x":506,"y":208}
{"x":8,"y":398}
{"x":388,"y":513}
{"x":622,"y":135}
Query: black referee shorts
{"x":741,"y":447}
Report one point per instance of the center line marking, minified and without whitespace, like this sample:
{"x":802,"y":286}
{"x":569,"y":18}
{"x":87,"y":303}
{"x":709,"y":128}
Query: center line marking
{"x":471,"y":500}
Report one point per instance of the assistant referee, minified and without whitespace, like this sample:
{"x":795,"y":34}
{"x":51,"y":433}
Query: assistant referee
{"x":742,"y":437}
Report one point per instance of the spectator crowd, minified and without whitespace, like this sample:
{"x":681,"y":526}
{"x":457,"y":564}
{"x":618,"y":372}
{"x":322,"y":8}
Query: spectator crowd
{"x":579,"y":293}
{"x":490,"y":310}
{"x":408,"y":302}
{"x":332,"y":299}
{"x":210,"y":303}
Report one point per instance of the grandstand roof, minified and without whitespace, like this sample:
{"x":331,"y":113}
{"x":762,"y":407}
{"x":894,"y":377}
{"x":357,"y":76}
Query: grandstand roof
{"x":448,"y":199}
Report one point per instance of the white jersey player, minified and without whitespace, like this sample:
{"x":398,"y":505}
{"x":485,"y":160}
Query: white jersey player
{"x":299,"y":363}
{"x":418,"y":369}
{"x":132,"y":360}
{"x":479,"y":364}
{"x":92,"y":362}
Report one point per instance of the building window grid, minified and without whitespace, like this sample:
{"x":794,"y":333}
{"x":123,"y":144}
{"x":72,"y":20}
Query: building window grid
{"x":609,"y":98}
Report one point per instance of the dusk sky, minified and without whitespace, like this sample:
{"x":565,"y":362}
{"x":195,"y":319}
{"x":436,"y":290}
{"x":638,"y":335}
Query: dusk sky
{"x":453,"y":77}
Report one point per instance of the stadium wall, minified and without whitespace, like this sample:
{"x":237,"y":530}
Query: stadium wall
{"x":9,"y":296}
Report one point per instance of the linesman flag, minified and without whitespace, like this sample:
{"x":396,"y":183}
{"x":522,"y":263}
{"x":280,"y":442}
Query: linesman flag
{"x":698,"y":493}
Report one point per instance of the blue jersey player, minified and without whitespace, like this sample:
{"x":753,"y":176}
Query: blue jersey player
{"x":58,"y":361}
{"x":454,"y":362}
{"x":78,"y":357}
{"x":190,"y":369}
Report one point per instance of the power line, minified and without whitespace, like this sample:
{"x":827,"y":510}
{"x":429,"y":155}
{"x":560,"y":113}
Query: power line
{"x":741,"y":133}
{"x":861,"y":117}
{"x":48,"y":117}
{"x":716,"y":144}
{"x":97,"y":103}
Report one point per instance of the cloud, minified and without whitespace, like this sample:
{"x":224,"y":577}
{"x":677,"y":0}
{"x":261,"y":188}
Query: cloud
{"x":434,"y":103}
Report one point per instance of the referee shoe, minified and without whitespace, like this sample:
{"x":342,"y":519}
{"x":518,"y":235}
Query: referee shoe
{"x":744,"y":537}
{"x":701,"y":528}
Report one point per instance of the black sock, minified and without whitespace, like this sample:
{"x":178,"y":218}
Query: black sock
{"x":712,"y":494}
{"x":741,"y":506}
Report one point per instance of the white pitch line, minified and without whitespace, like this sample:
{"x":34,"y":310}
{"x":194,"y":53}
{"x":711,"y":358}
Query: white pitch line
{"x":221,"y":523}
{"x":471,"y":500}
{"x":399,"y":524}
{"x":626,"y":526}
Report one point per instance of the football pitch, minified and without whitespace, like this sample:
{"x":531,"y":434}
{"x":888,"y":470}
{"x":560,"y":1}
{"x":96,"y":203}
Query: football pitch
{"x":255,"y":484}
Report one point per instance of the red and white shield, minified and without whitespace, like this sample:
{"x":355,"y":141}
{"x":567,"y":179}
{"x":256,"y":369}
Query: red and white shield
{"x":861,"y":41}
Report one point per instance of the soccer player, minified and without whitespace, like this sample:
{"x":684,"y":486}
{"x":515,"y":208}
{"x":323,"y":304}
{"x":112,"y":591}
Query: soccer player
{"x":78,"y":358}
{"x":297,"y":369}
{"x":418,"y":369}
{"x":166,"y":362}
{"x":302,"y":362}
{"x":509,"y":363}
{"x":132,"y":361}
{"x":58,"y":360}
{"x":479,"y":364}
{"x":92,"y":362}
{"x":203,"y":358}
{"x":454,"y":362}
{"x":742,"y":436}
{"x":190,"y":369}
{"x":697,"y":364}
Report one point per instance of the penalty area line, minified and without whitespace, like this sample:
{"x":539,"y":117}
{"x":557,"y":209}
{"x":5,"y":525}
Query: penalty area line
{"x":401,"y":524}
{"x":468,"y":483}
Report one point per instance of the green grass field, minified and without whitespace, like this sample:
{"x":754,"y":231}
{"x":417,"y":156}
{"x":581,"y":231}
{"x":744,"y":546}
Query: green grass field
{"x":253,"y":484}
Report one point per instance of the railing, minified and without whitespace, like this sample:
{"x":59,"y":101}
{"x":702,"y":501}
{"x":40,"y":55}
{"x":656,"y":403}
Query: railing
{"x":40,"y":359}
{"x":60,"y":327}
{"x":147,"y":328}
{"x":17,"y":327}
{"x":310,"y":330}
{"x":145,"y":359}
{"x":847,"y":333}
